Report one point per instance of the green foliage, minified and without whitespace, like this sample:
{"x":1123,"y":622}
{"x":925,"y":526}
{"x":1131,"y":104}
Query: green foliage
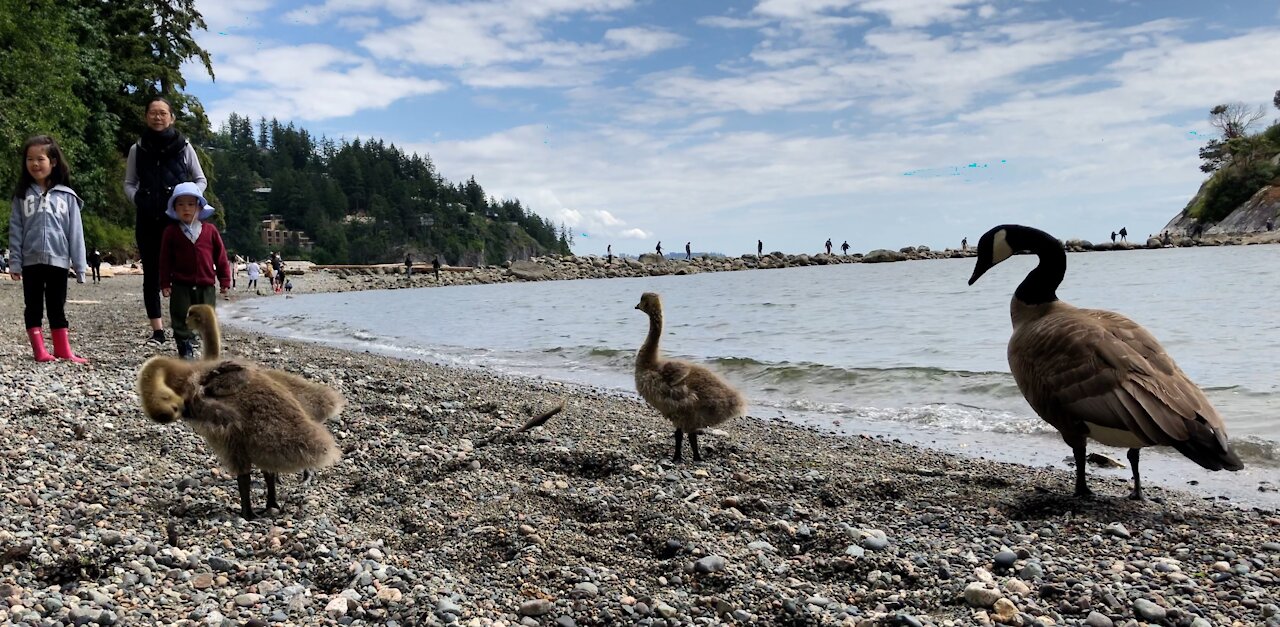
{"x":107,"y":237}
{"x":80,"y":71}
{"x":1240,"y":163}
{"x":1230,"y":187}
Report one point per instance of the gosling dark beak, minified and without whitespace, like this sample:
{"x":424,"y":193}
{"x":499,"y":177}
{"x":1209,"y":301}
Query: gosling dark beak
{"x":637,"y":305}
{"x":980,"y":269}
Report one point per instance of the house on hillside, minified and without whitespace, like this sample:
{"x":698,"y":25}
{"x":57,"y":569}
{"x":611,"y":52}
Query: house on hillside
{"x":275,"y":236}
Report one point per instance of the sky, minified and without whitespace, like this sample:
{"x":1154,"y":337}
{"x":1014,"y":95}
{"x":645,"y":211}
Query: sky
{"x":884,"y":123}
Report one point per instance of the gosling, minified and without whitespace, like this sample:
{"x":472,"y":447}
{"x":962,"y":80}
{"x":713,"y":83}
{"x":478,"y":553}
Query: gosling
{"x":690,"y":396}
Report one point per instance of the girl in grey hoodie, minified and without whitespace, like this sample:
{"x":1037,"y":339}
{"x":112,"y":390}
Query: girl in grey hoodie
{"x":46,"y":239}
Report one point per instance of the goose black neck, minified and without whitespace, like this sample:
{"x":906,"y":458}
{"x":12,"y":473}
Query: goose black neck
{"x":1041,"y":284}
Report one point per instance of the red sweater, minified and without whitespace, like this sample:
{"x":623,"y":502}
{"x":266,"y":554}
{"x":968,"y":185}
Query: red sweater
{"x":193,"y":263}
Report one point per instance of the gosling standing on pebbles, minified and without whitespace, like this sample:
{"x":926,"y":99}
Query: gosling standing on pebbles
{"x":1096,"y":374}
{"x":690,"y":396}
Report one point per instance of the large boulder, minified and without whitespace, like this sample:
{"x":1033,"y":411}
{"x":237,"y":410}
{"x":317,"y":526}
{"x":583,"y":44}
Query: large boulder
{"x":652,"y":258}
{"x":528,"y":271}
{"x":881,"y":255}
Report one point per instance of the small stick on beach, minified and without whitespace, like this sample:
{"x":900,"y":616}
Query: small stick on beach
{"x":541,"y":418}
{"x":533,"y":422}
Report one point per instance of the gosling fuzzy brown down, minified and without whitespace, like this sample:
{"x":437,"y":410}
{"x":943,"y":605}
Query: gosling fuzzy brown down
{"x":690,"y":396}
{"x":321,"y":402}
{"x":249,"y":419}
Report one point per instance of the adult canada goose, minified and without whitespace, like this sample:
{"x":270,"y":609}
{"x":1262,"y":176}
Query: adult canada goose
{"x":321,"y":402}
{"x":690,"y":396}
{"x":249,"y":419}
{"x":1097,"y":374}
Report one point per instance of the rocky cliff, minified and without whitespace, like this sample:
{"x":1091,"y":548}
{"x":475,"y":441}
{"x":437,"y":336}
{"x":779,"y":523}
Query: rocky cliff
{"x":1251,"y":217}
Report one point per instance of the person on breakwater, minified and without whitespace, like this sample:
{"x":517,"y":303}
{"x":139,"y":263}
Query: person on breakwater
{"x":659,"y":248}
{"x":828,"y":245}
{"x":435,"y":267}
{"x":159,"y":160}
{"x":845,"y":248}
{"x":1124,"y":234}
{"x":759,"y":248}
{"x":408,"y":266}
{"x":609,"y":250}
{"x":688,"y":251}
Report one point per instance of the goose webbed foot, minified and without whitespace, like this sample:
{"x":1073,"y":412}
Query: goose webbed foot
{"x":308,"y":478}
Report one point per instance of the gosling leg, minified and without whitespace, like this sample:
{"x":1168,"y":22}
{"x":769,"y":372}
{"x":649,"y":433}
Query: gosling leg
{"x":1082,"y":489}
{"x":246,"y":507}
{"x":693,"y":444}
{"x":679,"y":442}
{"x":1137,"y":481}
{"x":271,"y":490}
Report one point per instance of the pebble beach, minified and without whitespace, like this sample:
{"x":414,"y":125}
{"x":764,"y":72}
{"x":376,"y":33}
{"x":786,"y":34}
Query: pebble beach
{"x":441,"y":514}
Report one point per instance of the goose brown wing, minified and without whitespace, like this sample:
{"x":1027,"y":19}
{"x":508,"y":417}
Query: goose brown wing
{"x":1099,"y":367}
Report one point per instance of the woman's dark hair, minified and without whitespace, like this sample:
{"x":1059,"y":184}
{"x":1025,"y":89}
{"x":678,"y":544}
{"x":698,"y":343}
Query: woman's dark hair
{"x":154,"y":99}
{"x":61,"y":174}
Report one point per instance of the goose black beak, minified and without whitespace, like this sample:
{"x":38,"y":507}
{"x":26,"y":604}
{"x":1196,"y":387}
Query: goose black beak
{"x":979,"y":270}
{"x":637,"y":305}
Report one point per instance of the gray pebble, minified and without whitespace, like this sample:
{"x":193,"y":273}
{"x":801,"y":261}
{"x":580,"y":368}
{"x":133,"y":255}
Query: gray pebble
{"x":1004,"y":559}
{"x":874,"y":543}
{"x":1098,"y":620}
{"x":1148,"y":610}
{"x":565,"y":621}
{"x":709,"y":564}
{"x":536,"y":607}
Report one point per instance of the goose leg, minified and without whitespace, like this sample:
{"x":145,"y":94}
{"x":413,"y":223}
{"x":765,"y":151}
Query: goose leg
{"x":246,"y":508}
{"x":1137,"y":481}
{"x":271,"y":490}
{"x":1082,"y":489}
{"x":693,"y":444}
{"x":679,"y":442}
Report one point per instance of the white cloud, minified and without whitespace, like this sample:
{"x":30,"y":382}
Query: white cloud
{"x":232,"y":15}
{"x":308,"y":82}
{"x":917,"y":13}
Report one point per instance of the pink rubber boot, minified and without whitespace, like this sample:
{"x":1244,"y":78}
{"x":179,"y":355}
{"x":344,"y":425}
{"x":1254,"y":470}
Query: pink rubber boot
{"x":36,"y":335}
{"x":62,"y":347}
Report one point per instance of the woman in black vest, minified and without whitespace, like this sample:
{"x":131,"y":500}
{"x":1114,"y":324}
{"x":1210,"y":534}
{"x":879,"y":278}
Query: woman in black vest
{"x":160,"y":160}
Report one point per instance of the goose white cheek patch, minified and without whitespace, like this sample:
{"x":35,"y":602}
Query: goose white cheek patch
{"x":1000,"y":249}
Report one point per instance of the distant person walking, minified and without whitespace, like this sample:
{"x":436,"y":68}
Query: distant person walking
{"x":1124,"y":234}
{"x":435,"y":267}
{"x":964,"y":244}
{"x":609,"y":250}
{"x":46,"y":239}
{"x":759,"y":248}
{"x":253,"y":271}
{"x":659,"y":248}
{"x":95,"y":264}
{"x":828,"y":245}
{"x":688,"y":251}
{"x":1113,"y":237}
{"x":277,"y":278}
{"x":845,"y":248}
{"x":157,"y":162}
{"x":408,"y":266}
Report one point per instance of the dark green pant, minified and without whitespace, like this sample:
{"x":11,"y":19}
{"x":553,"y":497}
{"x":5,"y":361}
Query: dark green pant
{"x":183,"y":296}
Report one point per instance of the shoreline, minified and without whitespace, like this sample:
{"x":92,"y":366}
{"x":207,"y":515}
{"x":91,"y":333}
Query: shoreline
{"x":431,"y":519}
{"x":309,"y":278}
